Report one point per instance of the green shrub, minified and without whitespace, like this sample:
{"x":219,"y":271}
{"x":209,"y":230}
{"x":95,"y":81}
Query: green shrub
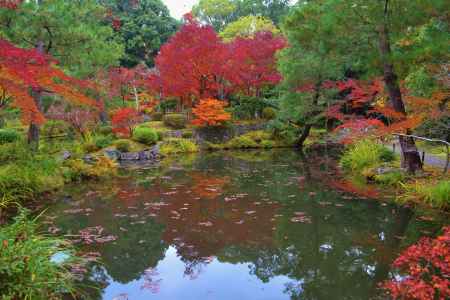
{"x":269,"y":113}
{"x":23,"y":180}
{"x":8,"y":136}
{"x":167,"y":105}
{"x":386,"y":155}
{"x":437,"y":195}
{"x":157,"y":116}
{"x":14,"y":151}
{"x":105,"y":130}
{"x":258,"y":135}
{"x":54,"y":128}
{"x":145,"y":135}
{"x":281,"y":130}
{"x":268,"y":144}
{"x":245,"y":108}
{"x":103,"y":141}
{"x":27,"y":266}
{"x":391,"y":178}
{"x":77,"y":169}
{"x":177,"y":145}
{"x":241,"y":142}
{"x":175,"y":121}
{"x":365,"y":154}
{"x":123,"y":145}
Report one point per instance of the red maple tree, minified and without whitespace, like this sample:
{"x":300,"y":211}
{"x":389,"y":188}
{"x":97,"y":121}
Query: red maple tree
{"x":22,"y":70}
{"x":81,"y":120}
{"x":10,"y":4}
{"x":190,"y":63}
{"x":363,"y":110}
{"x":124,"y":120}
{"x":252,"y":63}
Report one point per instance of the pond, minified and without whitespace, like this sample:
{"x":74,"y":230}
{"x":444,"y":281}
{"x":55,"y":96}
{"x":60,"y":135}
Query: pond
{"x":234,"y":225}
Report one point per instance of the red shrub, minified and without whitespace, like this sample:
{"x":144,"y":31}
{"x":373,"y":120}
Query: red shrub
{"x":125,"y":120}
{"x":427,"y":265}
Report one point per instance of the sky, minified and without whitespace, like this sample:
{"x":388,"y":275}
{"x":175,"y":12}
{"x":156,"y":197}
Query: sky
{"x":179,"y":7}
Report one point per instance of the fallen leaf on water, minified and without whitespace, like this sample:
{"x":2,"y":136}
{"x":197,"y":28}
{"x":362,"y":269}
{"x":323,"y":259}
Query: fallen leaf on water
{"x":425,"y":218}
{"x":301,"y":218}
{"x":207,"y":224}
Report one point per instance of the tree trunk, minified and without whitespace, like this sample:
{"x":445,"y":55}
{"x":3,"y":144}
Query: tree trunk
{"x":136,"y":98}
{"x":306,"y":131}
{"x":410,"y":154}
{"x":103,"y":117}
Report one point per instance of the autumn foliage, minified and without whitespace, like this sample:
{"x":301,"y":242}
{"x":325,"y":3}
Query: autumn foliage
{"x":124,"y":120}
{"x":364,"y":109}
{"x":196,"y":63}
{"x":10,"y":4}
{"x":25,"y":69}
{"x":427,"y":265}
{"x":252,"y":63}
{"x":189,"y":64}
{"x":210,"y":112}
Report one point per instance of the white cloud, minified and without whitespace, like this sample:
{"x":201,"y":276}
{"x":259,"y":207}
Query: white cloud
{"x":179,"y":7}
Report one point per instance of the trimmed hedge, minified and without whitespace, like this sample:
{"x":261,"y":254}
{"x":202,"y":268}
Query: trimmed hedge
{"x":176,"y":121}
{"x":8,"y":136}
{"x":269,"y":113}
{"x":145,"y":135}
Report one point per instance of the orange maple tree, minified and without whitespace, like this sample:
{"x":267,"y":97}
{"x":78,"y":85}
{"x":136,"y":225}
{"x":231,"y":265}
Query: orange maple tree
{"x":27,"y":71}
{"x":210,"y":112}
{"x":365,"y":110}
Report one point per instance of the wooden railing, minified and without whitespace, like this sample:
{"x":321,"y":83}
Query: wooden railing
{"x":447,"y":146}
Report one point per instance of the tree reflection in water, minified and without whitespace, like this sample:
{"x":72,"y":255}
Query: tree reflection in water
{"x":224,"y":210}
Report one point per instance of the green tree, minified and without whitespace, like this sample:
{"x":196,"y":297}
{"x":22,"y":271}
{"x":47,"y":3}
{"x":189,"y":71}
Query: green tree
{"x":311,"y":59}
{"x":71,"y":31}
{"x":219,"y":13}
{"x":145,"y":25}
{"x":247,"y":27}
{"x":403,"y":36}
{"x":272,"y":9}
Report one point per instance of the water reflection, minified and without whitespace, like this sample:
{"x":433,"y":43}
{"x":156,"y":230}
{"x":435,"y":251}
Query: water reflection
{"x":252,"y":226}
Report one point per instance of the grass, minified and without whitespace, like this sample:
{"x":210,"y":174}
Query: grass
{"x":26,"y":267}
{"x":177,"y":145}
{"x":394,"y":178}
{"x":258,"y":139}
{"x":25,"y":175}
{"x":364,"y":155}
{"x":434,"y":193}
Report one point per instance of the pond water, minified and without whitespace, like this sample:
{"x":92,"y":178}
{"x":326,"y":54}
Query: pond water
{"x":235,"y":225}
